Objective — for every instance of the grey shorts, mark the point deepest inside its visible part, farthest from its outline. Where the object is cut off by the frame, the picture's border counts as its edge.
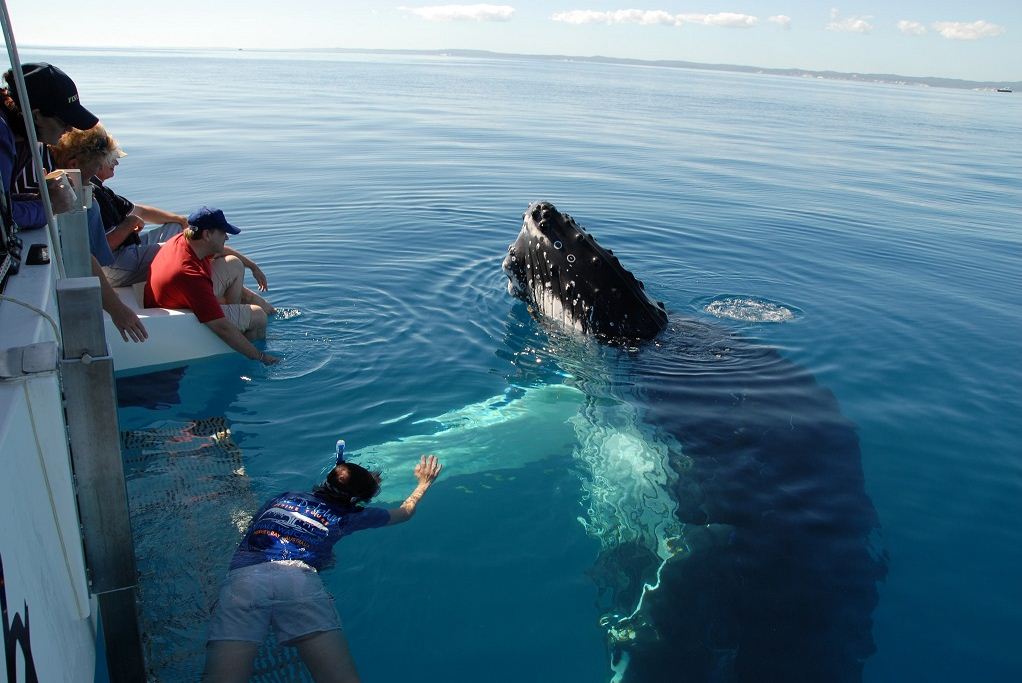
(131, 262)
(287, 595)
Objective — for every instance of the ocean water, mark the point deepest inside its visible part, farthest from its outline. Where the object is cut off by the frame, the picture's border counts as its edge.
(868, 233)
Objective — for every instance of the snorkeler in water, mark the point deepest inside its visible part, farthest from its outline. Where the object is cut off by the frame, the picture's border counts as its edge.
(274, 577)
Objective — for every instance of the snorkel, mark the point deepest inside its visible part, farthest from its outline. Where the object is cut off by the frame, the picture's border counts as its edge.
(351, 484)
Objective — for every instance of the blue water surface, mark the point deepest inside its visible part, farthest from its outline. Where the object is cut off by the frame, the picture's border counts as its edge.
(379, 194)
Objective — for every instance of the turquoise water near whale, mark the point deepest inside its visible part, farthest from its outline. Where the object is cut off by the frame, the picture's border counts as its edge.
(868, 232)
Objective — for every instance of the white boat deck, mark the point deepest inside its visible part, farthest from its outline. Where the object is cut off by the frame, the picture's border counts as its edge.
(43, 566)
(175, 338)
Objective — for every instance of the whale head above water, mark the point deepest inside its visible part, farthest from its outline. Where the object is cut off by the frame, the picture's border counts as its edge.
(564, 275)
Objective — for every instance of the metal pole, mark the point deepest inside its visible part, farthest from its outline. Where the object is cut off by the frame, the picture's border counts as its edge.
(74, 228)
(91, 409)
(33, 141)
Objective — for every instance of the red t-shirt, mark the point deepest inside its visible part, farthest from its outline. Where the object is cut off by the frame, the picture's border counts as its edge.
(180, 279)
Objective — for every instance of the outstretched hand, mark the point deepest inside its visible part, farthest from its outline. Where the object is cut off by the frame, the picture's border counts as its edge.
(428, 469)
(128, 324)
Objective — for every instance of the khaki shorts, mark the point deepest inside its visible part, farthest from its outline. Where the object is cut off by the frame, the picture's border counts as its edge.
(239, 314)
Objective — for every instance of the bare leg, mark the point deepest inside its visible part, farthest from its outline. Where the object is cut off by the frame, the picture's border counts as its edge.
(250, 297)
(257, 327)
(229, 661)
(328, 657)
(231, 272)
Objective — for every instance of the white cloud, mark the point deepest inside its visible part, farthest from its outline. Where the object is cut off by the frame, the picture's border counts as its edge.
(967, 30)
(911, 28)
(781, 20)
(621, 16)
(462, 12)
(849, 24)
(726, 19)
(654, 17)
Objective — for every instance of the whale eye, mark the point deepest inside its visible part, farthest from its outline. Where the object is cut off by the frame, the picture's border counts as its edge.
(571, 258)
(557, 244)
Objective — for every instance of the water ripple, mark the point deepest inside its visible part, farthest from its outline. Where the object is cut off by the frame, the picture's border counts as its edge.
(747, 309)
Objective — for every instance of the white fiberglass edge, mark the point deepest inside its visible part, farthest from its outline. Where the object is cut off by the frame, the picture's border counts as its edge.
(175, 337)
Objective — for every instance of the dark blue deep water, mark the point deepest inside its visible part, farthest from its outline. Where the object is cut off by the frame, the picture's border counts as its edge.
(868, 234)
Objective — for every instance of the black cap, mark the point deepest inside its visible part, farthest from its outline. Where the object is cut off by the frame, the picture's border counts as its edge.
(53, 93)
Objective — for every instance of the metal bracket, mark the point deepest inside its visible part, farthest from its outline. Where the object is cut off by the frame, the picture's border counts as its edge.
(86, 359)
(28, 360)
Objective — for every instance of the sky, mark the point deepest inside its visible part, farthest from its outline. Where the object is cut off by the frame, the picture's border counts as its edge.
(977, 40)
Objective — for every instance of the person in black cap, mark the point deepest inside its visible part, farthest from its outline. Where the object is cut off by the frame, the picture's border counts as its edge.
(56, 109)
(193, 270)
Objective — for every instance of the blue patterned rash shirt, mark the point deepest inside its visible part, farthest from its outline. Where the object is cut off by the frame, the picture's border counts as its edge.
(301, 526)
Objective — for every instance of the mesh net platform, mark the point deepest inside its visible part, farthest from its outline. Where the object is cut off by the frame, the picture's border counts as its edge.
(190, 502)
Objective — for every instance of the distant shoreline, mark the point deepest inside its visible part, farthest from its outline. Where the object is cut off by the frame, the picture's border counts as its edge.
(891, 79)
(894, 79)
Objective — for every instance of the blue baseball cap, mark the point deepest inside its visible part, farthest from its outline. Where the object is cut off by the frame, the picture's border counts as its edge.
(211, 219)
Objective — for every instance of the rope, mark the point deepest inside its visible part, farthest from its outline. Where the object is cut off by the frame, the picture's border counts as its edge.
(49, 318)
(83, 610)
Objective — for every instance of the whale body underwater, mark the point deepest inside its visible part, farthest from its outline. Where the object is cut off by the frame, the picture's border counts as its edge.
(769, 567)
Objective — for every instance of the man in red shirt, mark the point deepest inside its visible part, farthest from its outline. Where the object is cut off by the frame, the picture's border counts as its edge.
(192, 271)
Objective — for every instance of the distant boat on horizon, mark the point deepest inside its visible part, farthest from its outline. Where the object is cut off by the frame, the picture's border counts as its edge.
(1004, 90)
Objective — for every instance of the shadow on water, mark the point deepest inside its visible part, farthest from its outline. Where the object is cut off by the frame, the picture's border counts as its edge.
(152, 391)
(203, 388)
